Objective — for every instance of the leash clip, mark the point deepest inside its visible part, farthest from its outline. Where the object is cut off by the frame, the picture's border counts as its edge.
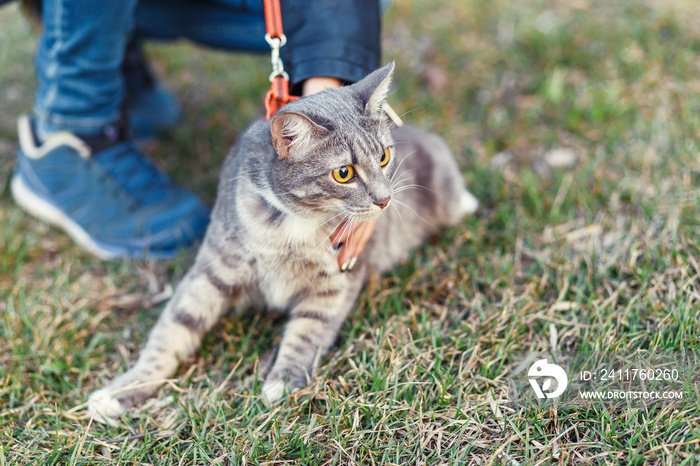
(278, 95)
(276, 43)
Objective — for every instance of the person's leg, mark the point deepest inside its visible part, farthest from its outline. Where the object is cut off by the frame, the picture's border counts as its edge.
(151, 107)
(78, 63)
(76, 167)
(234, 25)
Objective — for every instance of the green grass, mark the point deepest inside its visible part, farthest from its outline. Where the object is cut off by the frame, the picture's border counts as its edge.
(601, 253)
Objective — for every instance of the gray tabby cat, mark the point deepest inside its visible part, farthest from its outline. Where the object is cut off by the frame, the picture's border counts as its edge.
(285, 187)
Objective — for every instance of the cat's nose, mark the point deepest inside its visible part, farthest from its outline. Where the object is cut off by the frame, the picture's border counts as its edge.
(384, 202)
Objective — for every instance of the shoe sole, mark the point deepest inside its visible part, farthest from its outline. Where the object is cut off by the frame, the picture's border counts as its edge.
(46, 211)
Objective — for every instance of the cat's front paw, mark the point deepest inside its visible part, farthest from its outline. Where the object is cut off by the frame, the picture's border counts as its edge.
(281, 382)
(273, 391)
(104, 406)
(123, 393)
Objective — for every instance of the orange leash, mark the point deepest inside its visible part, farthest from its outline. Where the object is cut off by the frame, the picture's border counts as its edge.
(278, 95)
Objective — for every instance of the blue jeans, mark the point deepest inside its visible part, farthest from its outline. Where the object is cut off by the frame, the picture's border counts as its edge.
(80, 53)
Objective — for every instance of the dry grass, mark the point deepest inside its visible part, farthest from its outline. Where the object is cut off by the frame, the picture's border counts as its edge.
(576, 124)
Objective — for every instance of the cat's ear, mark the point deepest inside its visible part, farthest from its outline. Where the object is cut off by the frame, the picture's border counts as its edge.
(374, 89)
(293, 132)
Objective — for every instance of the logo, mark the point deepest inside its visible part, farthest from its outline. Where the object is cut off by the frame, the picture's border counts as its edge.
(550, 371)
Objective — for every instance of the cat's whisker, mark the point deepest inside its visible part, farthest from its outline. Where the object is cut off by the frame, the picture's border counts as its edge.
(352, 227)
(329, 251)
(398, 212)
(412, 210)
(236, 178)
(412, 110)
(404, 182)
(310, 253)
(349, 229)
(288, 193)
(401, 216)
(346, 225)
(417, 186)
(329, 206)
(398, 187)
(410, 186)
(404, 179)
(329, 257)
(315, 229)
(352, 235)
(401, 163)
(407, 175)
(328, 236)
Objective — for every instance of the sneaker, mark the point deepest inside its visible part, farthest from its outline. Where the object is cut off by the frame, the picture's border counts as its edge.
(151, 107)
(105, 193)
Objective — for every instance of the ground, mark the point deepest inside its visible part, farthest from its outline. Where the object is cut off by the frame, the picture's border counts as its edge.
(577, 125)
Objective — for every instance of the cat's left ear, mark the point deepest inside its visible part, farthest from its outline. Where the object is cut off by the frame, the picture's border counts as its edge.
(293, 132)
(374, 89)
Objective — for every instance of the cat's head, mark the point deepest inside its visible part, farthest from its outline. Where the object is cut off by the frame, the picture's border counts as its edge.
(335, 154)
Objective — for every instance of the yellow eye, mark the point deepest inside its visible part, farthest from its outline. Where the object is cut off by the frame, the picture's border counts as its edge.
(343, 174)
(385, 157)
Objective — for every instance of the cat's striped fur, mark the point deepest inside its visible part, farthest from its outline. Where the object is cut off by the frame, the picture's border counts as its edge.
(269, 238)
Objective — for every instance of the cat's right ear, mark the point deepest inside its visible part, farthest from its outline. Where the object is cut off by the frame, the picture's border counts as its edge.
(293, 132)
(374, 88)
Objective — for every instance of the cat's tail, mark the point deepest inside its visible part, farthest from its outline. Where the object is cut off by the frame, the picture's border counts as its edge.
(468, 203)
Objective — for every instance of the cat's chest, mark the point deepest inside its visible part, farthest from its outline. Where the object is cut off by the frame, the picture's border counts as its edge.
(283, 283)
(291, 262)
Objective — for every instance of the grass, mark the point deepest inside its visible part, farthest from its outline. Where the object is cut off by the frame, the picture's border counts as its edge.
(593, 249)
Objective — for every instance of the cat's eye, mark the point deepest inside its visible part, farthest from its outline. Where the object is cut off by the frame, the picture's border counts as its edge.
(385, 157)
(343, 174)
